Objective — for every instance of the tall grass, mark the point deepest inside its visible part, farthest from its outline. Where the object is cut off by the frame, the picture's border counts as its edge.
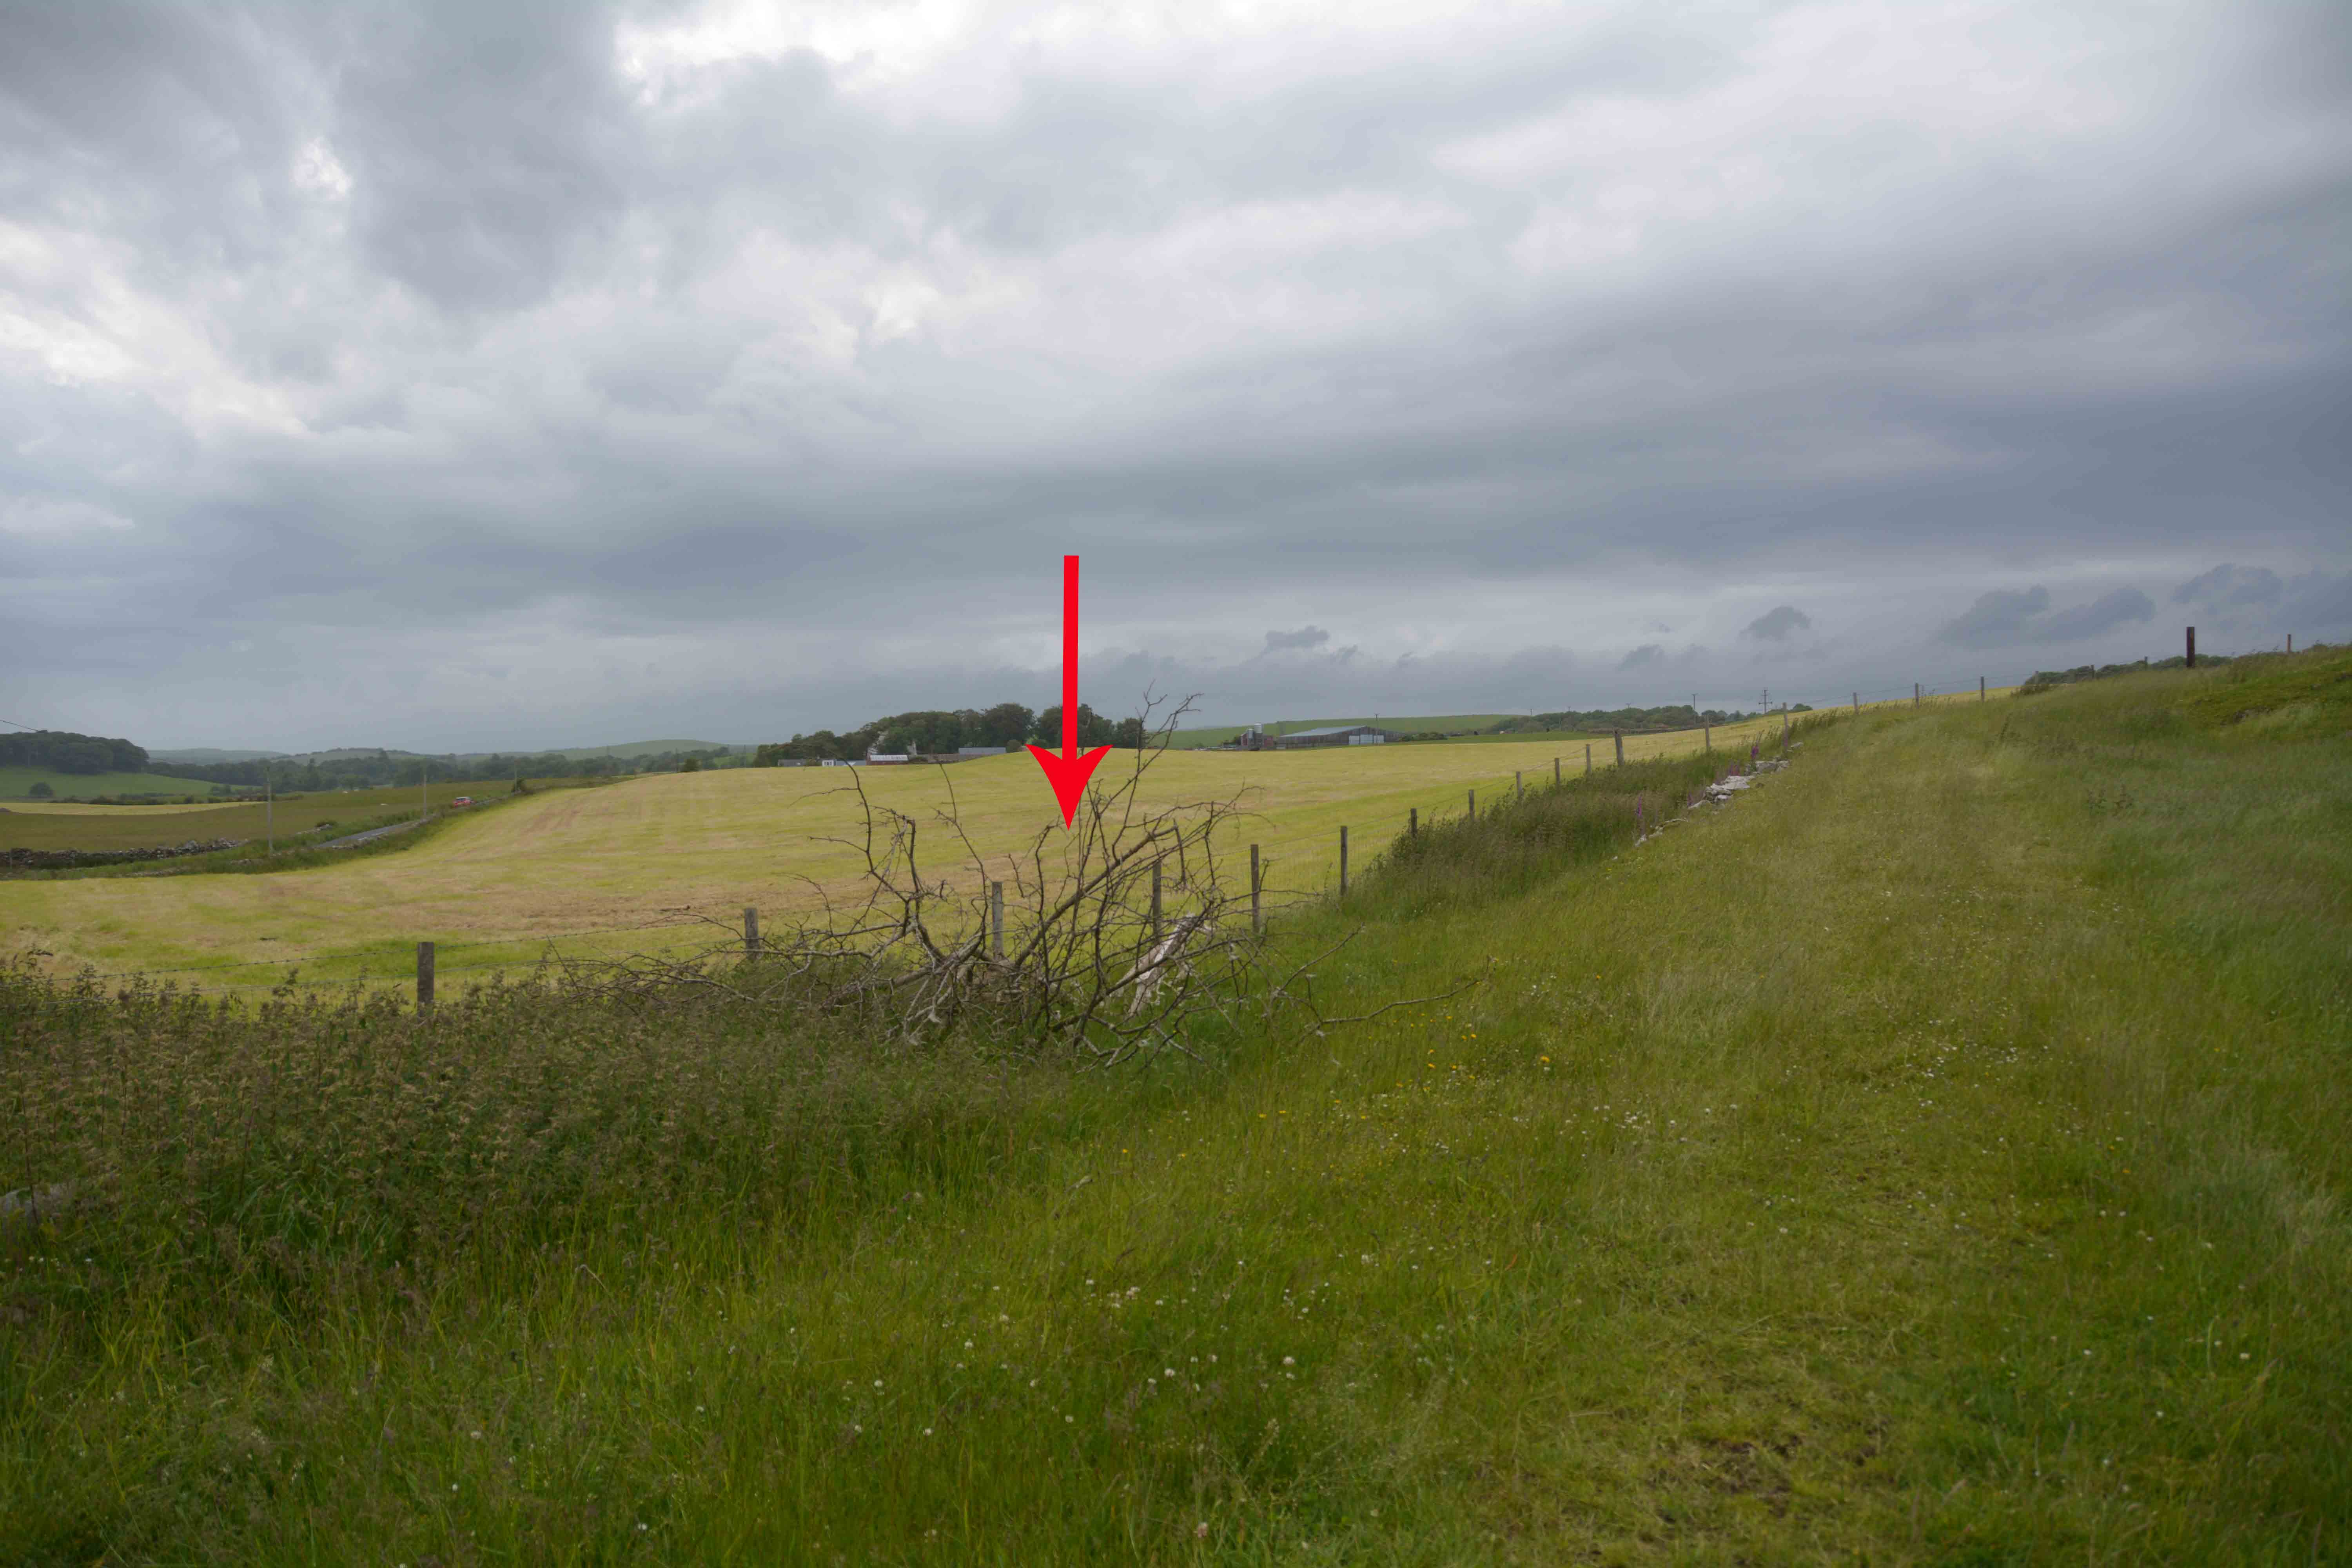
(1516, 842)
(221, 1158)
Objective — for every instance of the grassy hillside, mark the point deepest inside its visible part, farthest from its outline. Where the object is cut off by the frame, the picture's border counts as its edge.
(16, 784)
(1936, 1156)
(659, 849)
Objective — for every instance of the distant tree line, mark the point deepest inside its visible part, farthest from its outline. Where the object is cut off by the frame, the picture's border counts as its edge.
(383, 768)
(944, 732)
(64, 752)
(1675, 715)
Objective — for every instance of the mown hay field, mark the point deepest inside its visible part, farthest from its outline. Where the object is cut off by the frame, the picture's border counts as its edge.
(643, 865)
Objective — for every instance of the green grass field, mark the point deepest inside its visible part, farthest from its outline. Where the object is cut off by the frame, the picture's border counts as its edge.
(1936, 1156)
(16, 784)
(36, 826)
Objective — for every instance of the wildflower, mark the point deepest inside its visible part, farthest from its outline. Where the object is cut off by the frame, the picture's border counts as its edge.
(1290, 1360)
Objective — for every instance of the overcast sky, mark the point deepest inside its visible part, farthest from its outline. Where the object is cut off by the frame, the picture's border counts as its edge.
(482, 375)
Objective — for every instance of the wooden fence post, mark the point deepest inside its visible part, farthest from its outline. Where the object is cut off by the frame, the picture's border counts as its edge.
(1555, 762)
(1915, 694)
(1413, 823)
(2290, 642)
(1474, 805)
(1518, 784)
(1706, 734)
(1980, 687)
(1343, 861)
(1621, 747)
(2193, 647)
(1155, 899)
(423, 978)
(1857, 704)
(1257, 913)
(996, 917)
(751, 931)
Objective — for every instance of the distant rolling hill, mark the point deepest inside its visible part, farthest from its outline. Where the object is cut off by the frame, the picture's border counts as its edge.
(202, 754)
(198, 755)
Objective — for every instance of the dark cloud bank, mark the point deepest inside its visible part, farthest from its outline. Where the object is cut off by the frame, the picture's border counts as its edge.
(532, 375)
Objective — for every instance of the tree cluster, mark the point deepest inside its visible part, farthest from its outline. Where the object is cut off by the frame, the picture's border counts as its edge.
(944, 732)
(62, 750)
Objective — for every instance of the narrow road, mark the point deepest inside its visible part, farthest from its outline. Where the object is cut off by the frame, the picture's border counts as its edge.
(371, 833)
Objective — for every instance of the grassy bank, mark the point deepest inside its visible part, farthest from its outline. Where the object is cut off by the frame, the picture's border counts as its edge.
(1934, 1156)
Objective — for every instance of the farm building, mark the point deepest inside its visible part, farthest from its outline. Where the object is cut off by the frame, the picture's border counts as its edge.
(1332, 735)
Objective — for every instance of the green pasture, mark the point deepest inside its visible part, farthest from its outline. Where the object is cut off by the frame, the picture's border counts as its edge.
(315, 812)
(1936, 1156)
(16, 784)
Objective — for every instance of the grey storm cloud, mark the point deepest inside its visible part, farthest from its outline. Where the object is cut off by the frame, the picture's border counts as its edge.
(1642, 657)
(747, 369)
(2228, 585)
(2012, 617)
(1775, 625)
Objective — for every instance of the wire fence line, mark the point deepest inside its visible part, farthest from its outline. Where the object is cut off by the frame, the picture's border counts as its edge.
(429, 958)
(286, 959)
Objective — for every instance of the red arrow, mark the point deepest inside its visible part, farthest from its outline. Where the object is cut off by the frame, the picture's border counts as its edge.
(1069, 772)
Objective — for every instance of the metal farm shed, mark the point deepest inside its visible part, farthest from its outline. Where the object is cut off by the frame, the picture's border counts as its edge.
(1332, 735)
